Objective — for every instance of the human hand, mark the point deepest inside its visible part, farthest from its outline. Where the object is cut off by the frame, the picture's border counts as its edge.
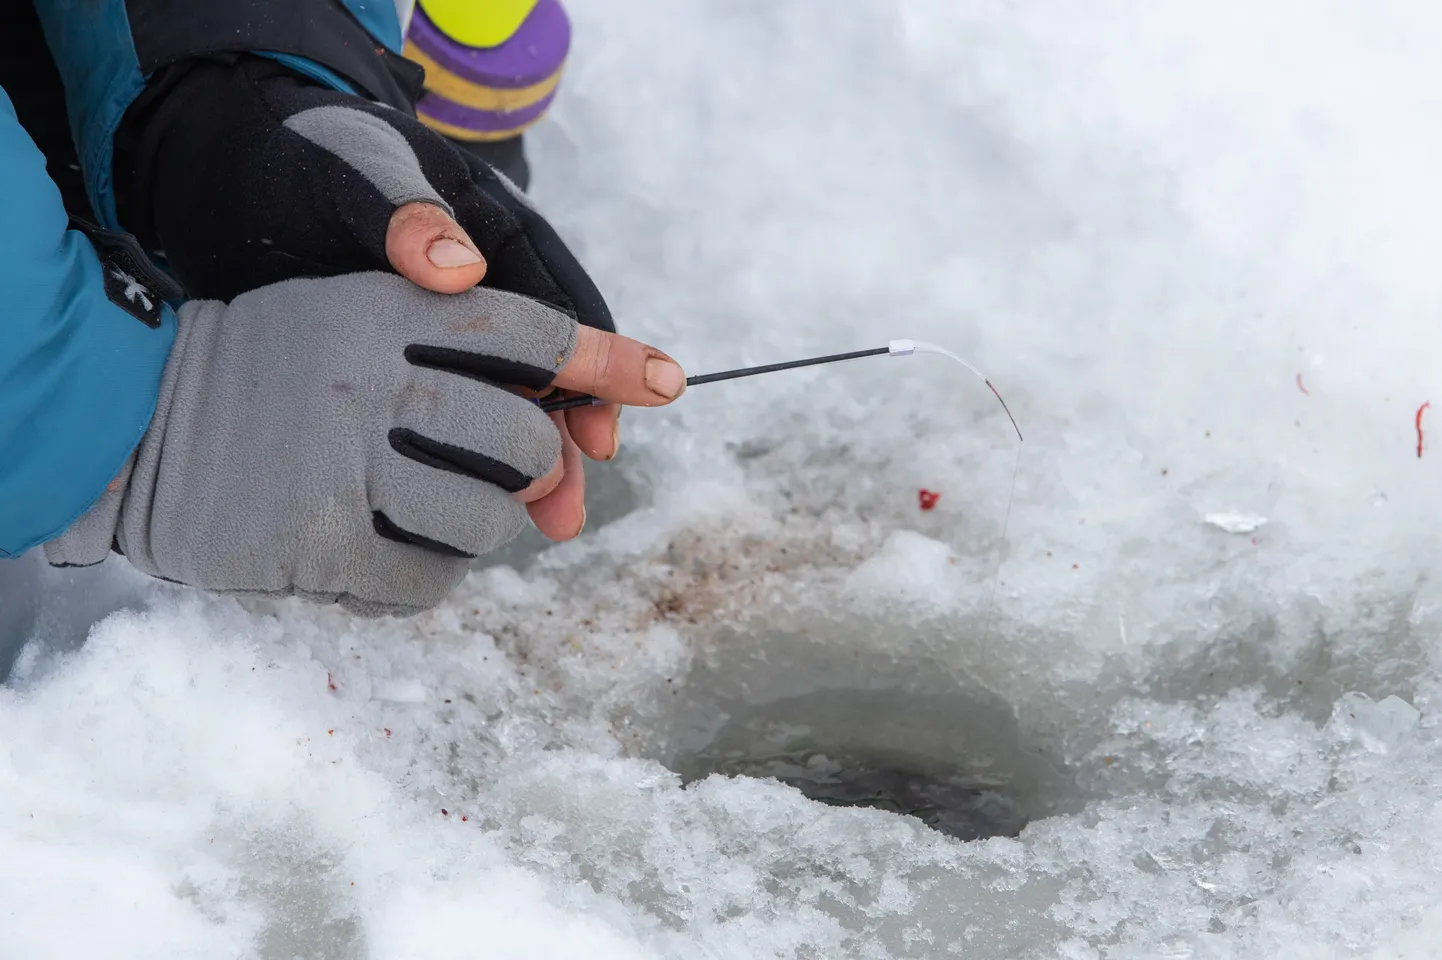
(354, 439)
(246, 174)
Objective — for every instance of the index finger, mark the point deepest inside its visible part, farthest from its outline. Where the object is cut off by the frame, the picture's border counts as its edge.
(622, 370)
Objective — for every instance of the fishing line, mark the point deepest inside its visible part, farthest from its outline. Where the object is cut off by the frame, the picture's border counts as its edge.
(1001, 558)
(919, 346)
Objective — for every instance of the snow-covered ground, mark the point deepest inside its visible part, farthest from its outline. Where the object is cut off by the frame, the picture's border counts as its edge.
(1197, 247)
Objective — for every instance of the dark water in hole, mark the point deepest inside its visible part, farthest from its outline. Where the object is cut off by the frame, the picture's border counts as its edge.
(956, 765)
(959, 804)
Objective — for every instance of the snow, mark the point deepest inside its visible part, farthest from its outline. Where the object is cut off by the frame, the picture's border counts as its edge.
(1143, 221)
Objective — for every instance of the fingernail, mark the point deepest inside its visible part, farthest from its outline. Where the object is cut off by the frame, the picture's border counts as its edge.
(447, 254)
(616, 436)
(581, 529)
(665, 378)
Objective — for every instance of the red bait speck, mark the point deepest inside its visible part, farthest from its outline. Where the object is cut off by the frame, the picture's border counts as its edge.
(927, 499)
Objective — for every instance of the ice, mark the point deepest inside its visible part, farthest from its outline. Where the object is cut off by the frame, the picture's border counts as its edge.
(1232, 522)
(1378, 727)
(1143, 221)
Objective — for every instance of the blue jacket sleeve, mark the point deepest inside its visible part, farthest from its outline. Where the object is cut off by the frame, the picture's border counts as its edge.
(78, 374)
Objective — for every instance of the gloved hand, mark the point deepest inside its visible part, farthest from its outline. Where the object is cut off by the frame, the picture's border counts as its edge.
(246, 174)
(351, 439)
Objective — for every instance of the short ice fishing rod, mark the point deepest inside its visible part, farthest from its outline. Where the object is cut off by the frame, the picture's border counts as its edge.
(896, 348)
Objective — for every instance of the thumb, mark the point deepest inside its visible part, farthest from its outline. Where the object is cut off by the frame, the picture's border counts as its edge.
(429, 249)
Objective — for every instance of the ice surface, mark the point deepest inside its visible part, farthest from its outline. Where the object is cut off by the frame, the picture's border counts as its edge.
(1143, 221)
(1378, 727)
(1232, 522)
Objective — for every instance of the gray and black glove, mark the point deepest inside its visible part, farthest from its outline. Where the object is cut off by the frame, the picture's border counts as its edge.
(345, 439)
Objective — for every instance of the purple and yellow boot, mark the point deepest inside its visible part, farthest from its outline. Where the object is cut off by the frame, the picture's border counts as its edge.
(492, 69)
